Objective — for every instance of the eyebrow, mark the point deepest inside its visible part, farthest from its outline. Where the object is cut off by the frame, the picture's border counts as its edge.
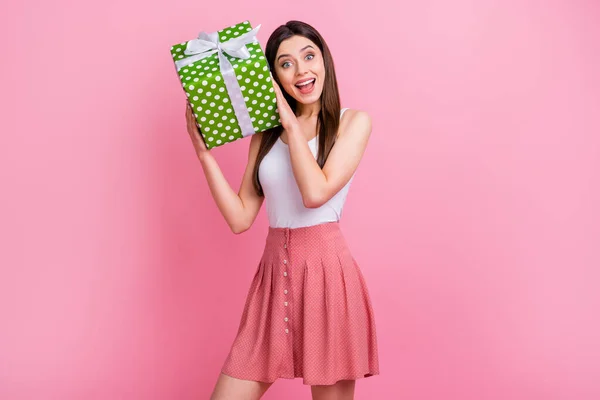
(301, 50)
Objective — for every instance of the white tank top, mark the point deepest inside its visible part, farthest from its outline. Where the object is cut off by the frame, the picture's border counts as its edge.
(284, 205)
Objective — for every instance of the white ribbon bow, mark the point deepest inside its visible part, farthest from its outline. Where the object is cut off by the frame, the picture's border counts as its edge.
(208, 44)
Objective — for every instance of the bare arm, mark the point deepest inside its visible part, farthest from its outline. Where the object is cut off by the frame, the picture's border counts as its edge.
(239, 209)
(318, 185)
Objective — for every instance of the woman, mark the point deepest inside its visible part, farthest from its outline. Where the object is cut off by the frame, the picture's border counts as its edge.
(308, 313)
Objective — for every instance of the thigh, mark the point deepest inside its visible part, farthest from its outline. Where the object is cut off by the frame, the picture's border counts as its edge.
(230, 388)
(341, 390)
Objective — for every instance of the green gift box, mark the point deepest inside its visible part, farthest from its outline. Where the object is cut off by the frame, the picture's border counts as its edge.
(226, 78)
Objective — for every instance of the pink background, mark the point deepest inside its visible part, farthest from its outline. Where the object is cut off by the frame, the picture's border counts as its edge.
(474, 214)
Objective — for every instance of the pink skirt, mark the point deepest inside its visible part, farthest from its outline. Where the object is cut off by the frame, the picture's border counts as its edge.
(307, 313)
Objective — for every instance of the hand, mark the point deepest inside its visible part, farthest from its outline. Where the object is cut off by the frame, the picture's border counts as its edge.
(286, 114)
(194, 132)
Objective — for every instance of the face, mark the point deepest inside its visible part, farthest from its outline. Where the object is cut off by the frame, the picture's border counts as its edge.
(300, 69)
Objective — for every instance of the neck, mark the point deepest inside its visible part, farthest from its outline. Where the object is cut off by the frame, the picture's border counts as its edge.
(308, 110)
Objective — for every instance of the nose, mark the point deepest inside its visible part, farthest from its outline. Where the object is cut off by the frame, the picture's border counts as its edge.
(302, 69)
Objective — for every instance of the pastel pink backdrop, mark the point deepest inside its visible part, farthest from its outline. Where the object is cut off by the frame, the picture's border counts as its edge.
(474, 214)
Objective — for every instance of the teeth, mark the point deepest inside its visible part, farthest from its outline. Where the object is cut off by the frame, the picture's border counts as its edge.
(305, 83)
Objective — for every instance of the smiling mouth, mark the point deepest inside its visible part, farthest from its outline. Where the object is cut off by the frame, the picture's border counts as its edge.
(306, 86)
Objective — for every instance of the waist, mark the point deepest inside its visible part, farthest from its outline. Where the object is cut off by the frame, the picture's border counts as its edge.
(314, 235)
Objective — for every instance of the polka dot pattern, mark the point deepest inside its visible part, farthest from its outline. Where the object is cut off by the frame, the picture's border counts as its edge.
(205, 88)
(307, 313)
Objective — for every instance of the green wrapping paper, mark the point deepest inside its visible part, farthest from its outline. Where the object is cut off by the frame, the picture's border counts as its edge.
(207, 80)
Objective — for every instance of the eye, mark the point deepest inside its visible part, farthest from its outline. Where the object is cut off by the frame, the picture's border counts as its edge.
(311, 56)
(284, 64)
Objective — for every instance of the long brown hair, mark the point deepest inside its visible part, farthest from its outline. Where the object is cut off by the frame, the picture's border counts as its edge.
(329, 116)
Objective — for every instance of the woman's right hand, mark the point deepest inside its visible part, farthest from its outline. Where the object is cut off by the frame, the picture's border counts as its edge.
(194, 132)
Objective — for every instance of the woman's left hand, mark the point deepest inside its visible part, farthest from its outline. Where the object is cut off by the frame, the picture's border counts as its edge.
(286, 114)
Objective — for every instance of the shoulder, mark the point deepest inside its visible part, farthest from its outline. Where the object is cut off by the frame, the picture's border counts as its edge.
(355, 123)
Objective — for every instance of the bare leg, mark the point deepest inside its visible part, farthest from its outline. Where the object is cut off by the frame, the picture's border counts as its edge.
(230, 388)
(341, 390)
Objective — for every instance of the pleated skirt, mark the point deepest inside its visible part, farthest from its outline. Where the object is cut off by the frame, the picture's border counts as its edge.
(307, 313)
